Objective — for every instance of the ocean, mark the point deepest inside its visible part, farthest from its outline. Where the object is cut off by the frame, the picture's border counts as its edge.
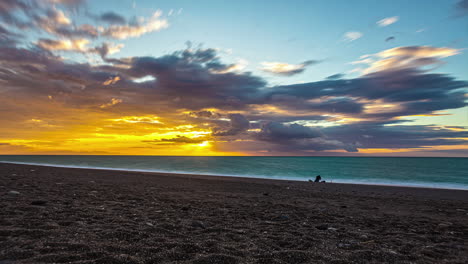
(450, 173)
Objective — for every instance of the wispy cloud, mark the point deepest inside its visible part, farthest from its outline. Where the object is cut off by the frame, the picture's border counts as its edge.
(405, 57)
(286, 69)
(57, 19)
(352, 36)
(77, 45)
(111, 103)
(387, 21)
(154, 23)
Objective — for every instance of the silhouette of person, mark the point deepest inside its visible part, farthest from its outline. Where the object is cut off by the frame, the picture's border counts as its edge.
(317, 178)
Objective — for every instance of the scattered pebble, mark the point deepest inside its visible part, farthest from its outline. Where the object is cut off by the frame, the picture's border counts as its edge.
(39, 202)
(198, 224)
(281, 218)
(343, 245)
(445, 224)
(14, 193)
(322, 227)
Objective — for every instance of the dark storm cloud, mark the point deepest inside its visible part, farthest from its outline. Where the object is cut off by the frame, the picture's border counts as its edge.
(274, 131)
(415, 91)
(274, 117)
(237, 124)
(334, 105)
(400, 85)
(112, 18)
(397, 136)
(199, 55)
(185, 78)
(294, 137)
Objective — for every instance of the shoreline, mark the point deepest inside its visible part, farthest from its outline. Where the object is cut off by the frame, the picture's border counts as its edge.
(416, 186)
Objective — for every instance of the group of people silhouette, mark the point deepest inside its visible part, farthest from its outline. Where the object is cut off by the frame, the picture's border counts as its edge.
(318, 178)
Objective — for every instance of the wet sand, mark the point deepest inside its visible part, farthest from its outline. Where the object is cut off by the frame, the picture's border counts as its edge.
(63, 215)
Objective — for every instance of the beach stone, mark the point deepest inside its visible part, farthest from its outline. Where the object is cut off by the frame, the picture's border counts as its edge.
(445, 224)
(198, 224)
(281, 218)
(343, 245)
(332, 229)
(13, 193)
(39, 202)
(322, 227)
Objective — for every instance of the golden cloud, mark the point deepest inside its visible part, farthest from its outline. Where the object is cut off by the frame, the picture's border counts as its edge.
(79, 45)
(155, 23)
(404, 57)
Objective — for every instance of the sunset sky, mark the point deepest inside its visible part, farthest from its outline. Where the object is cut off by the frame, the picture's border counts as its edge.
(144, 77)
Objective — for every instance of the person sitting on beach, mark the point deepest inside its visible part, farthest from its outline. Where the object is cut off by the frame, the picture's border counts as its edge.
(317, 178)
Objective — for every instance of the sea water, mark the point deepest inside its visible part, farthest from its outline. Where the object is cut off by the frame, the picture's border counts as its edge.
(449, 173)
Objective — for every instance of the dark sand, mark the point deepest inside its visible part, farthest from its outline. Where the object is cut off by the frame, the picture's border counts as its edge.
(67, 215)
